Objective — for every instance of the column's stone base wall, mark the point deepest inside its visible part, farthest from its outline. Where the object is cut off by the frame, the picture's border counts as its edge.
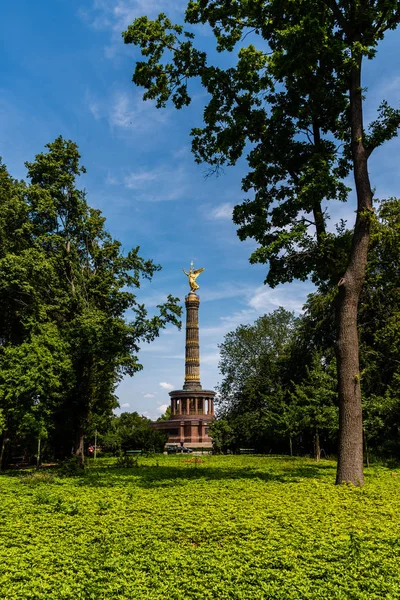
(188, 425)
(193, 432)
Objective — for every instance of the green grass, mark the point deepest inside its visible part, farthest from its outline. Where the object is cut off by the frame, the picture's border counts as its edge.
(243, 527)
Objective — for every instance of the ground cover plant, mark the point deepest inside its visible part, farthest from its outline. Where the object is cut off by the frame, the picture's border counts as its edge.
(218, 527)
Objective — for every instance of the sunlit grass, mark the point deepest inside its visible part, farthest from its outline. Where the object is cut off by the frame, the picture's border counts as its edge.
(243, 527)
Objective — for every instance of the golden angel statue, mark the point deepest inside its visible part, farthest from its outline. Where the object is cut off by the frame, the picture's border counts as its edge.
(192, 276)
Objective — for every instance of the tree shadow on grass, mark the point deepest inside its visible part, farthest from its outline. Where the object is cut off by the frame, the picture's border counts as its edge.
(153, 476)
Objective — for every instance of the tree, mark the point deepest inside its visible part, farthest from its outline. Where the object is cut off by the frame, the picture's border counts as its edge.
(223, 436)
(165, 416)
(34, 360)
(295, 105)
(131, 431)
(250, 359)
(314, 400)
(380, 333)
(378, 319)
(254, 392)
(65, 289)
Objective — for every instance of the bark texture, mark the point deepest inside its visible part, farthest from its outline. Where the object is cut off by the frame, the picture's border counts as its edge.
(80, 446)
(3, 452)
(317, 448)
(350, 450)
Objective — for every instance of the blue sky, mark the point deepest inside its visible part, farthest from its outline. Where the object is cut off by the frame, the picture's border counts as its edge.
(65, 70)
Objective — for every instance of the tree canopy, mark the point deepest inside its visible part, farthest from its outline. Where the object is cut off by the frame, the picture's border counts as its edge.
(66, 287)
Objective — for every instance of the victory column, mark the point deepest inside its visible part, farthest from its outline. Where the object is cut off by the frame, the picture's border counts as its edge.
(192, 408)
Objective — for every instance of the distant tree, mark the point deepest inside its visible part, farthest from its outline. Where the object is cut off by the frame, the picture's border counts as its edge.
(250, 358)
(295, 104)
(254, 391)
(166, 416)
(314, 400)
(380, 333)
(131, 431)
(223, 436)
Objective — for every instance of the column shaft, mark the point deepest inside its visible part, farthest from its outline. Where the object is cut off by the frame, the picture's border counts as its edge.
(192, 354)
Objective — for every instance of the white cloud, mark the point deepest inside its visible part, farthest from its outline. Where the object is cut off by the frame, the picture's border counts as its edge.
(291, 296)
(166, 386)
(227, 289)
(223, 211)
(116, 15)
(161, 409)
(211, 358)
(127, 113)
(122, 113)
(157, 184)
(259, 301)
(125, 405)
(95, 109)
(140, 179)
(149, 395)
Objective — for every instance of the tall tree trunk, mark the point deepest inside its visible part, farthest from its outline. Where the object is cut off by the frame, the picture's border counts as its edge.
(80, 446)
(317, 447)
(291, 445)
(366, 449)
(350, 450)
(3, 451)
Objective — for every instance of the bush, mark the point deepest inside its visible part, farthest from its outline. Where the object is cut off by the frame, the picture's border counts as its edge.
(34, 479)
(126, 462)
(70, 467)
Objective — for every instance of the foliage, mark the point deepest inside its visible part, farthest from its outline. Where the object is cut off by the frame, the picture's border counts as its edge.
(314, 400)
(272, 388)
(379, 318)
(285, 104)
(251, 354)
(130, 431)
(239, 527)
(307, 376)
(70, 467)
(126, 462)
(66, 290)
(166, 416)
(222, 433)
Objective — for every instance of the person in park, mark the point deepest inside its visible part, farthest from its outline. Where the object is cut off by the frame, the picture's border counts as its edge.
(91, 451)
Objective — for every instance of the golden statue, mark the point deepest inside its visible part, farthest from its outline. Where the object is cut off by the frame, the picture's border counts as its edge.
(192, 276)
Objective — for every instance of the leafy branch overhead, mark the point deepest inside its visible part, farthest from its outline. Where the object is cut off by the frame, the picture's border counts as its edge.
(288, 111)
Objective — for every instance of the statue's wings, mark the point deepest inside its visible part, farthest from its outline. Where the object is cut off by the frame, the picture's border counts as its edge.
(198, 271)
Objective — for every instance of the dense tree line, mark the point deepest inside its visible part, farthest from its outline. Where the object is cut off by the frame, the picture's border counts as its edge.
(131, 431)
(293, 106)
(279, 384)
(65, 289)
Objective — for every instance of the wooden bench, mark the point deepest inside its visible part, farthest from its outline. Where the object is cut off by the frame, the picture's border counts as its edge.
(18, 461)
(134, 452)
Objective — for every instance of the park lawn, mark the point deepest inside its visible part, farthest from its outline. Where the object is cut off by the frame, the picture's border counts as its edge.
(246, 527)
